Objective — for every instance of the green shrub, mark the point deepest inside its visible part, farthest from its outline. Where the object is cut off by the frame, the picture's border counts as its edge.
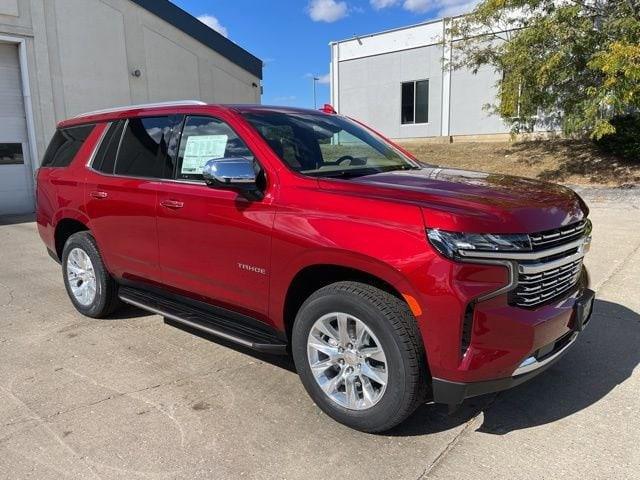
(625, 142)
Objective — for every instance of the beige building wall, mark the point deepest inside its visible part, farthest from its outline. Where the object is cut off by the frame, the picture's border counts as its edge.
(81, 55)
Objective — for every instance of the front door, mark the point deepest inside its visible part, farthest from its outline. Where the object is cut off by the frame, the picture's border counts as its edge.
(214, 244)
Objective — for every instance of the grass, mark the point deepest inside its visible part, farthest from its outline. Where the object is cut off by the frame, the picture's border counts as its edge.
(576, 162)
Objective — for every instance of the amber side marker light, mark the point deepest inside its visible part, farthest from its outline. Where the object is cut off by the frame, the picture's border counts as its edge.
(413, 304)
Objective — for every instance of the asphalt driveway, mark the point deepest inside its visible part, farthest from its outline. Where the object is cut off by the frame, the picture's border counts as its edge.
(133, 398)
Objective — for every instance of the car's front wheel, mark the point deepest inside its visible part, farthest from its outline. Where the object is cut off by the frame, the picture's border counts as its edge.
(359, 355)
(90, 287)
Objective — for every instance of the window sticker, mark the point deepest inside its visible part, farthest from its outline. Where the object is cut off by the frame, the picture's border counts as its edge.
(200, 149)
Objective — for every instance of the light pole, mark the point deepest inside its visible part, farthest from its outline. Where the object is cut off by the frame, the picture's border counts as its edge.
(314, 79)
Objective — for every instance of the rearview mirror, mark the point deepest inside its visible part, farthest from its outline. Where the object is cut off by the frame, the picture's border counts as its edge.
(232, 173)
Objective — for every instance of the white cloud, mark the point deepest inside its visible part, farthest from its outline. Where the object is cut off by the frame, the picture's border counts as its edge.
(212, 22)
(327, 10)
(324, 79)
(442, 8)
(418, 6)
(455, 8)
(380, 4)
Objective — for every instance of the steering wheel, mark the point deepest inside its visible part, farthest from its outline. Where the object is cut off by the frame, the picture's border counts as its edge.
(344, 158)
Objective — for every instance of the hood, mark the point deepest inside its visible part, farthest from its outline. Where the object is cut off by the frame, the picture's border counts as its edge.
(462, 200)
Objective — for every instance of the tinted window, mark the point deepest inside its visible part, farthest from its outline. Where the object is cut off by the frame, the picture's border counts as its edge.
(65, 145)
(326, 145)
(415, 102)
(407, 102)
(11, 154)
(106, 154)
(144, 147)
(422, 101)
(56, 142)
(203, 139)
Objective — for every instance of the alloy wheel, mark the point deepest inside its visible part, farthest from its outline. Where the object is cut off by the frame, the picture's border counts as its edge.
(81, 276)
(347, 361)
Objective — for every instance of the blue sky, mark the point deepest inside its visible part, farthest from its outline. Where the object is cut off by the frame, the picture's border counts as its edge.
(292, 36)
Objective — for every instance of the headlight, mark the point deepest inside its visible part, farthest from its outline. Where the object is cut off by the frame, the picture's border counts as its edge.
(450, 244)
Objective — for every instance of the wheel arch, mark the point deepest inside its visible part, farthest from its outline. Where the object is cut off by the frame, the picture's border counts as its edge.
(66, 227)
(311, 278)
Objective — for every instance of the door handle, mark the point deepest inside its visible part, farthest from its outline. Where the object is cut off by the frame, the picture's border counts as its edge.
(173, 204)
(99, 195)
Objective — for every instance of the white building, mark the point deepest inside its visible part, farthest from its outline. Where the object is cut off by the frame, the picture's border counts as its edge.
(59, 58)
(395, 82)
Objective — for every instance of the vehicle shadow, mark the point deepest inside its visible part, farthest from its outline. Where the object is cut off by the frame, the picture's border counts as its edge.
(602, 358)
(127, 312)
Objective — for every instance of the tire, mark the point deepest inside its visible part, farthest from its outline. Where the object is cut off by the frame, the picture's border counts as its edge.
(105, 299)
(392, 328)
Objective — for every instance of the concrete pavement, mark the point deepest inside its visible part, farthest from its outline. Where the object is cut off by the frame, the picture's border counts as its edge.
(133, 398)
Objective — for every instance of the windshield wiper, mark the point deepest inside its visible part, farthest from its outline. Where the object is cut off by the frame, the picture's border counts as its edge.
(358, 172)
(401, 167)
(344, 173)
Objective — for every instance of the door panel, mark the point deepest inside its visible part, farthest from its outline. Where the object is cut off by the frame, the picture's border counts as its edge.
(123, 221)
(216, 246)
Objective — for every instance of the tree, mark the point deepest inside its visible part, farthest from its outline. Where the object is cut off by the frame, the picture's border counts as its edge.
(574, 61)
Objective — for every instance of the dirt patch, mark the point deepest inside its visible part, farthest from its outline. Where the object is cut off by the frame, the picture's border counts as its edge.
(564, 161)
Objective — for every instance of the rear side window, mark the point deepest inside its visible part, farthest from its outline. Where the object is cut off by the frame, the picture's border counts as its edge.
(65, 145)
(105, 158)
(144, 148)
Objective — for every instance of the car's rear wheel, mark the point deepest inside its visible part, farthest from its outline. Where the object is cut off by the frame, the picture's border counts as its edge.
(359, 354)
(90, 287)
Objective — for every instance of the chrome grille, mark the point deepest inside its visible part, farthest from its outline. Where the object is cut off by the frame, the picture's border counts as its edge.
(536, 288)
(549, 277)
(559, 236)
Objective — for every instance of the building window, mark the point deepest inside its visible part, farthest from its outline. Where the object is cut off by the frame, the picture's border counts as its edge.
(415, 102)
(11, 154)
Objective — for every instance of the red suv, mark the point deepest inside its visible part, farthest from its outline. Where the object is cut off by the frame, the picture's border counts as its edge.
(391, 282)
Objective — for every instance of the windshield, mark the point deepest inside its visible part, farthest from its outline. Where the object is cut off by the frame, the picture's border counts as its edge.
(327, 145)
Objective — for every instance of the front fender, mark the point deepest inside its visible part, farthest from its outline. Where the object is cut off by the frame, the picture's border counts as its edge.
(337, 258)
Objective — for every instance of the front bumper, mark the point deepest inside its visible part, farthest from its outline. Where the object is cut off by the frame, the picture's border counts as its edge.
(454, 393)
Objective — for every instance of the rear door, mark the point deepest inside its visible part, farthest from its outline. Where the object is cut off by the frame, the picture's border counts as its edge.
(121, 191)
(214, 243)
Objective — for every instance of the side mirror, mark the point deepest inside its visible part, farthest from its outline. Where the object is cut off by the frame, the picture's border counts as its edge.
(232, 173)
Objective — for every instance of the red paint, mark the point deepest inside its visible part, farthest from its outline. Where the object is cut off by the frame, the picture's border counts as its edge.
(192, 238)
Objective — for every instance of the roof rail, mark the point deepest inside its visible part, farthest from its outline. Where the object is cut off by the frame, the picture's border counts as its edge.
(175, 103)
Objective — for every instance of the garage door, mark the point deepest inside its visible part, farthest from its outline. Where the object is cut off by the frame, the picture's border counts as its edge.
(16, 191)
